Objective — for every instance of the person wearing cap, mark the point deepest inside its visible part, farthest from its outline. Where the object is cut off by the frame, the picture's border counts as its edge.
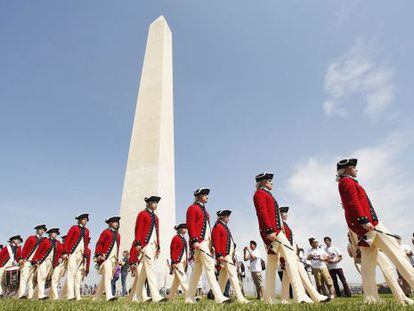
(271, 231)
(225, 247)
(43, 259)
(147, 242)
(198, 225)
(106, 255)
(26, 272)
(307, 284)
(74, 249)
(179, 258)
(363, 220)
(58, 270)
(9, 256)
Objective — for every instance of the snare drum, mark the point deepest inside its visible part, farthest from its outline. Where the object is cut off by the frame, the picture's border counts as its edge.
(11, 280)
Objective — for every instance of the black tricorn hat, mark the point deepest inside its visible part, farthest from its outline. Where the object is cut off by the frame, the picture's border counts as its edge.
(284, 209)
(180, 226)
(15, 237)
(152, 198)
(41, 226)
(224, 212)
(112, 219)
(264, 176)
(346, 163)
(82, 216)
(54, 229)
(202, 191)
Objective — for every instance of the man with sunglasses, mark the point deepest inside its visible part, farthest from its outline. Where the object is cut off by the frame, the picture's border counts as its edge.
(372, 234)
(272, 233)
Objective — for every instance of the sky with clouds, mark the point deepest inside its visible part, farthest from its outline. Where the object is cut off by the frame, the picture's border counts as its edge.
(288, 87)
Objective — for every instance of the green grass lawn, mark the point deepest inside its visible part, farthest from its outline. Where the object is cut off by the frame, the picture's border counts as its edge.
(354, 303)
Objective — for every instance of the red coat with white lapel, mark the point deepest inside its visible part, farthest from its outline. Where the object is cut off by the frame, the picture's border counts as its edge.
(222, 239)
(44, 249)
(5, 255)
(288, 232)
(267, 211)
(178, 249)
(30, 246)
(106, 243)
(357, 206)
(58, 254)
(197, 220)
(74, 237)
(146, 222)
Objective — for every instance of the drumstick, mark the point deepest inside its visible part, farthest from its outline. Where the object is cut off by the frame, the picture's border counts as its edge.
(389, 234)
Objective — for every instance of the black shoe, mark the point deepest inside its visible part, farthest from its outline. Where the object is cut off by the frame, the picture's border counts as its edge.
(227, 301)
(326, 300)
(148, 300)
(44, 298)
(163, 300)
(72, 299)
(23, 297)
(198, 298)
(1, 296)
(113, 299)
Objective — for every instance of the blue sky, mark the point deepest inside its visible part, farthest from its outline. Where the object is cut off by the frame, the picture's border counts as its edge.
(288, 87)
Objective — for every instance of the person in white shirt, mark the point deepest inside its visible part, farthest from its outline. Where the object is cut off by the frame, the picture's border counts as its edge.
(318, 258)
(335, 267)
(253, 255)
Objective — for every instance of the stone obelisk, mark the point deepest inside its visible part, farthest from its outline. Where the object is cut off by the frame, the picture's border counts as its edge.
(150, 167)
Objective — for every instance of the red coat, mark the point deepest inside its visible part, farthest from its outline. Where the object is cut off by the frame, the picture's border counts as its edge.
(288, 233)
(30, 246)
(44, 249)
(197, 220)
(106, 242)
(146, 222)
(222, 239)
(133, 256)
(5, 255)
(178, 249)
(87, 257)
(357, 206)
(73, 238)
(58, 254)
(267, 211)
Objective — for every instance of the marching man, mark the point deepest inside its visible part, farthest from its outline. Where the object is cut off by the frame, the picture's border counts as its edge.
(271, 231)
(198, 224)
(74, 252)
(9, 256)
(310, 289)
(135, 258)
(58, 266)
(106, 254)
(224, 246)
(147, 244)
(372, 234)
(43, 258)
(26, 272)
(179, 257)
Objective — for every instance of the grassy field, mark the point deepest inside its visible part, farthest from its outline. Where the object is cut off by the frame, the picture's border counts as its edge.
(354, 303)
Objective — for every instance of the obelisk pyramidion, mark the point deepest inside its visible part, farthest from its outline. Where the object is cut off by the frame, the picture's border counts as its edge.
(150, 167)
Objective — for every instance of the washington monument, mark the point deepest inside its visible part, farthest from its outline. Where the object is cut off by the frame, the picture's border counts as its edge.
(150, 167)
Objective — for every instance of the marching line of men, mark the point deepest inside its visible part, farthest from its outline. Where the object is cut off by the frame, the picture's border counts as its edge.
(211, 249)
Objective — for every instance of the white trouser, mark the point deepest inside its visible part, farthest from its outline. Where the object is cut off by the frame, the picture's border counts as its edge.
(369, 261)
(147, 272)
(307, 284)
(179, 280)
(389, 275)
(56, 276)
(27, 274)
(80, 274)
(107, 271)
(42, 273)
(134, 295)
(229, 271)
(291, 270)
(203, 260)
(75, 261)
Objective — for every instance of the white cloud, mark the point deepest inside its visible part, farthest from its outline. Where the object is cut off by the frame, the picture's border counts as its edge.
(357, 73)
(313, 194)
